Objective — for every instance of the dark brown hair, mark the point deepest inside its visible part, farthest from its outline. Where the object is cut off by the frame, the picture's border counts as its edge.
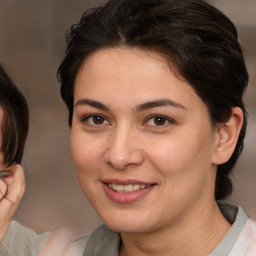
(197, 39)
(15, 119)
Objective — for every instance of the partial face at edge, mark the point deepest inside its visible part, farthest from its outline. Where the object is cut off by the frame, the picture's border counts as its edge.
(141, 141)
(1, 136)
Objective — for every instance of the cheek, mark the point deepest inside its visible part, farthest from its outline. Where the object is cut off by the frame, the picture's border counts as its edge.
(86, 154)
(86, 158)
(184, 166)
(183, 154)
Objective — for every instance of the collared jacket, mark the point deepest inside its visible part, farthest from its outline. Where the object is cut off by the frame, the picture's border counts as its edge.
(239, 241)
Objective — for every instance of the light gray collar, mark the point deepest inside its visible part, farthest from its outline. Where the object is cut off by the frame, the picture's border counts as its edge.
(234, 214)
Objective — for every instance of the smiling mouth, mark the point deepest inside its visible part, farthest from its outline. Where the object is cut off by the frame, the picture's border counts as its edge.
(127, 188)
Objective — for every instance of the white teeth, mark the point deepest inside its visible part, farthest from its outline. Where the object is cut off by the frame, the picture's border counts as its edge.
(136, 186)
(119, 187)
(126, 188)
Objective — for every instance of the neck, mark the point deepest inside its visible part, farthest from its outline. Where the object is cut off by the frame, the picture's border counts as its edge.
(197, 234)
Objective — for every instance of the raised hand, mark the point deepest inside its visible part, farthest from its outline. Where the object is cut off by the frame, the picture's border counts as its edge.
(12, 187)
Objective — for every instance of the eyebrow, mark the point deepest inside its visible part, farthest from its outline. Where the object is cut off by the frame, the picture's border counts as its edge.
(142, 107)
(158, 103)
(92, 103)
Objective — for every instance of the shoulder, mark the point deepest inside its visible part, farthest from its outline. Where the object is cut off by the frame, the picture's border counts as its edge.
(20, 240)
(76, 248)
(241, 238)
(63, 243)
(246, 242)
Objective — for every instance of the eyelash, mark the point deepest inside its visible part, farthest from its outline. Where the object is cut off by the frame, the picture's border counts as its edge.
(86, 119)
(102, 120)
(166, 120)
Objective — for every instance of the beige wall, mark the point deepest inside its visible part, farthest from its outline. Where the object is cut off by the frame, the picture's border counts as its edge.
(31, 47)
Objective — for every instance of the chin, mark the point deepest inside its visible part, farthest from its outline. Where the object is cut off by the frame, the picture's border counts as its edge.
(124, 228)
(126, 224)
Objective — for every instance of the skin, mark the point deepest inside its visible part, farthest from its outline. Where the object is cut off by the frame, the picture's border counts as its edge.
(119, 136)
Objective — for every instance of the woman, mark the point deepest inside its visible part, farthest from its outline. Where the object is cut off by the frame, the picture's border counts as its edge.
(14, 122)
(154, 90)
(15, 238)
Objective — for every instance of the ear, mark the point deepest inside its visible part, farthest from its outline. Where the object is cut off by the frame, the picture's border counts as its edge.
(226, 136)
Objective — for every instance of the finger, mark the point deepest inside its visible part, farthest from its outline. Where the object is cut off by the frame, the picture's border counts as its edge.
(14, 187)
(16, 183)
(4, 174)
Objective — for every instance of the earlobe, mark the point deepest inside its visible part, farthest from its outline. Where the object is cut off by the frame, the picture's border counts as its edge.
(227, 136)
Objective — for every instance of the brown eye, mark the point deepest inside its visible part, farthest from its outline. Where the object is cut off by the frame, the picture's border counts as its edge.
(160, 120)
(98, 119)
(95, 120)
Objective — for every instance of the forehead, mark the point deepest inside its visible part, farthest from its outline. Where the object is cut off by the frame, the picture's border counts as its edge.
(124, 63)
(121, 59)
(128, 71)
(131, 76)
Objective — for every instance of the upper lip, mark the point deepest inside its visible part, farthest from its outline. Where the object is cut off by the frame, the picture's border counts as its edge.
(127, 182)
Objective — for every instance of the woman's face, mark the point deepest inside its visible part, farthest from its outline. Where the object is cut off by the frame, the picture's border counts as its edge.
(141, 140)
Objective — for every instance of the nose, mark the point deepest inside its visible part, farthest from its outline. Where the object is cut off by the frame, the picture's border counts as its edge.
(123, 149)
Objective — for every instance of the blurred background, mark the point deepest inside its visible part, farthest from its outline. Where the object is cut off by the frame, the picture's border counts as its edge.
(32, 45)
